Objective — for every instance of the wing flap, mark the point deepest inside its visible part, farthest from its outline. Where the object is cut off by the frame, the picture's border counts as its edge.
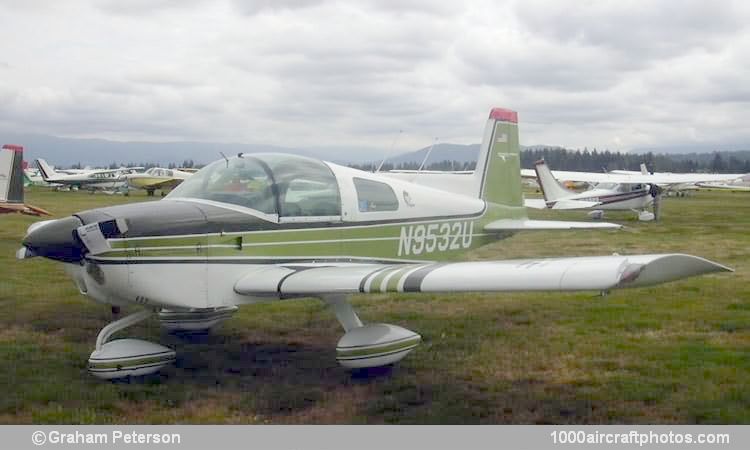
(550, 274)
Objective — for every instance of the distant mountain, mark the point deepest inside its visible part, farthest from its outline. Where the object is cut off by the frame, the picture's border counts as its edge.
(65, 152)
(441, 152)
(101, 152)
(691, 148)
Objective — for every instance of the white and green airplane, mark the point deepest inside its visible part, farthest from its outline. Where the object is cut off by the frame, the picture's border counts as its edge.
(268, 227)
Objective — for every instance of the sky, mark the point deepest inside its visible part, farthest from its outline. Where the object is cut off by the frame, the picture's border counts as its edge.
(389, 74)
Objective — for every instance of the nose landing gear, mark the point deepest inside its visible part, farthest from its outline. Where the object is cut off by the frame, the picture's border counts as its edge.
(127, 357)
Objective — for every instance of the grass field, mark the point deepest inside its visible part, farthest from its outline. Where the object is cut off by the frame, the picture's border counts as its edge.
(676, 353)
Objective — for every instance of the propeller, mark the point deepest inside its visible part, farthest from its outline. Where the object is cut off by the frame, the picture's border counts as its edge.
(656, 192)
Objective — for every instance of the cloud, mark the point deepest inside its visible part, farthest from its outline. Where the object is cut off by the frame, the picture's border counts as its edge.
(319, 73)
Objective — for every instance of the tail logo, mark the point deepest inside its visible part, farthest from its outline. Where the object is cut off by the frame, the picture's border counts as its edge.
(503, 138)
(503, 156)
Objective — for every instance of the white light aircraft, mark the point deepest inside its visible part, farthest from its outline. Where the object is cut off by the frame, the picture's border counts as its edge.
(157, 178)
(299, 227)
(109, 179)
(604, 196)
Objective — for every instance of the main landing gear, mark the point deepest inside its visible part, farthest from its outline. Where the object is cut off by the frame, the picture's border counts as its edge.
(361, 346)
(371, 345)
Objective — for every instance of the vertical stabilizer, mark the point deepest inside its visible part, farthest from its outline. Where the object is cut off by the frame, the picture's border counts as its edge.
(499, 162)
(551, 188)
(11, 173)
(45, 170)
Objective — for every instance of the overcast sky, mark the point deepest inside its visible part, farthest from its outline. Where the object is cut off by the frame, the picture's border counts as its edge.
(308, 73)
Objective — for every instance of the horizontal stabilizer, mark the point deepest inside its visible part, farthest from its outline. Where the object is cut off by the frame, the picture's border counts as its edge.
(536, 203)
(541, 225)
(574, 204)
(540, 203)
(545, 274)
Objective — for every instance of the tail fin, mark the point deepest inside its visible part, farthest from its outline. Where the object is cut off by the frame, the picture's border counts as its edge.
(45, 170)
(498, 169)
(11, 174)
(551, 188)
(644, 170)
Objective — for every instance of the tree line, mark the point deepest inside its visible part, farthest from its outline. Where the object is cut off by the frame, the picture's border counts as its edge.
(594, 161)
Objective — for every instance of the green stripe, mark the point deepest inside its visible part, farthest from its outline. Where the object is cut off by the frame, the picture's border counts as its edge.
(126, 364)
(380, 276)
(393, 282)
(366, 241)
(374, 350)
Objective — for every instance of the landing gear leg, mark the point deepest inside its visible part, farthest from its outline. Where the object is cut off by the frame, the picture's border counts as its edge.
(371, 345)
(127, 357)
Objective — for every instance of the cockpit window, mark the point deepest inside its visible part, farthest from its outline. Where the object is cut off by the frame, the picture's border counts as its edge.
(287, 185)
(375, 196)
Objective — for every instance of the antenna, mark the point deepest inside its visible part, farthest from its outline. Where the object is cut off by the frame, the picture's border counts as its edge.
(225, 158)
(427, 156)
(393, 144)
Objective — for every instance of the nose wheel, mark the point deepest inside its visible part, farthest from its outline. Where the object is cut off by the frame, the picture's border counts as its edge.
(121, 358)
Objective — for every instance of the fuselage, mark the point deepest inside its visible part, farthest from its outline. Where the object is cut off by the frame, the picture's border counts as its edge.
(189, 249)
(618, 197)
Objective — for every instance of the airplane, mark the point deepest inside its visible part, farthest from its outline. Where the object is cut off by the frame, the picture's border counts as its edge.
(604, 196)
(12, 182)
(664, 180)
(157, 178)
(92, 180)
(266, 227)
(740, 184)
(659, 183)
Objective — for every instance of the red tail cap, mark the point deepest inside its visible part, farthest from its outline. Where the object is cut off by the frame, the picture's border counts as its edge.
(505, 115)
(13, 147)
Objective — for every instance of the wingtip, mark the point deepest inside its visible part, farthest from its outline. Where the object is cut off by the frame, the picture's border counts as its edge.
(662, 268)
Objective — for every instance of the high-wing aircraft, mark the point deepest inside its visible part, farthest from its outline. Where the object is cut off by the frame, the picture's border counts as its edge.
(665, 181)
(157, 178)
(604, 196)
(111, 179)
(267, 227)
(658, 182)
(12, 181)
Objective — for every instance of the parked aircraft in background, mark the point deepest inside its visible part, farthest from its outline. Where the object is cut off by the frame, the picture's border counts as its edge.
(740, 184)
(267, 227)
(12, 181)
(658, 182)
(104, 179)
(157, 178)
(604, 196)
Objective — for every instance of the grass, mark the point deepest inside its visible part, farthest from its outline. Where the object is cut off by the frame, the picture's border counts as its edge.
(676, 353)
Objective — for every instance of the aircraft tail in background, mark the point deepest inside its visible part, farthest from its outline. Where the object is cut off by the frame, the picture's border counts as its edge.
(551, 188)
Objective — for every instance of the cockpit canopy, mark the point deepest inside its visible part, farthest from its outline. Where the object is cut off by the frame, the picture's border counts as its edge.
(281, 184)
(159, 172)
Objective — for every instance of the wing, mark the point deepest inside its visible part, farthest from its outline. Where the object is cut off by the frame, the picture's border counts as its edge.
(559, 274)
(540, 203)
(639, 178)
(166, 184)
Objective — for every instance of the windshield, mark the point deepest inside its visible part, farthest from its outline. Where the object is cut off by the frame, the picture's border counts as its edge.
(287, 185)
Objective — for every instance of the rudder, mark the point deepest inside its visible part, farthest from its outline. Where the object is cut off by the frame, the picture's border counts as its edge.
(499, 163)
(11, 173)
